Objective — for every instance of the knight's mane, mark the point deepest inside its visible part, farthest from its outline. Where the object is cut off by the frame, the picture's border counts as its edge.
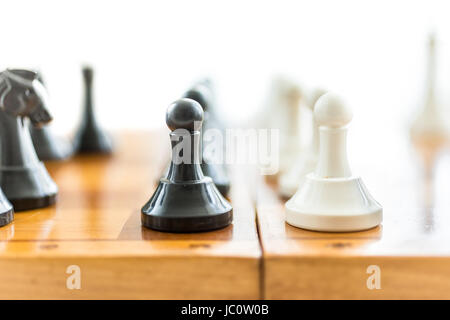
(10, 76)
(5, 88)
(23, 77)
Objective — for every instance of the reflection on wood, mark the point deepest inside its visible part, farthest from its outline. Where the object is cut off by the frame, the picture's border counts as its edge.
(96, 225)
(411, 247)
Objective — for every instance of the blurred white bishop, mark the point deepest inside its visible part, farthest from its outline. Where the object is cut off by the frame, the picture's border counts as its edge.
(282, 112)
(290, 138)
(429, 126)
(307, 160)
(331, 198)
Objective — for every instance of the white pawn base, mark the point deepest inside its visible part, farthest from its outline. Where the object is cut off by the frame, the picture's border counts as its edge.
(294, 178)
(333, 205)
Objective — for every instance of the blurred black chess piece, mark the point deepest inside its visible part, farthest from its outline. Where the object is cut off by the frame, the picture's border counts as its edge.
(90, 138)
(212, 155)
(47, 145)
(186, 200)
(6, 210)
(212, 119)
(23, 178)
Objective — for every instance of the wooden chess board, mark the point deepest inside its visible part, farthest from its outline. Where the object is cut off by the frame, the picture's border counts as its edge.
(96, 226)
(411, 249)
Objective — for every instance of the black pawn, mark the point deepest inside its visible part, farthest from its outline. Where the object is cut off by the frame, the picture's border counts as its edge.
(186, 200)
(47, 145)
(212, 110)
(6, 210)
(90, 138)
(216, 171)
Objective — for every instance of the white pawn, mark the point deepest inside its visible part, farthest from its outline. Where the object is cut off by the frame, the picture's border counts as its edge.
(429, 126)
(331, 198)
(307, 160)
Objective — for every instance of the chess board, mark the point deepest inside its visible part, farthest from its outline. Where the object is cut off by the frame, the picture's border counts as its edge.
(410, 251)
(96, 226)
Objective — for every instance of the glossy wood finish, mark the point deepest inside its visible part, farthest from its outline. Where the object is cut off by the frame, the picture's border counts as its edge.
(96, 225)
(411, 247)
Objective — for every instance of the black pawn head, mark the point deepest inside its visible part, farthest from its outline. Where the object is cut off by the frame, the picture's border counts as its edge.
(184, 114)
(88, 74)
(209, 84)
(202, 94)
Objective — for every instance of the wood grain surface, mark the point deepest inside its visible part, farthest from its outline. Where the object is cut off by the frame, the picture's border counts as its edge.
(96, 226)
(411, 248)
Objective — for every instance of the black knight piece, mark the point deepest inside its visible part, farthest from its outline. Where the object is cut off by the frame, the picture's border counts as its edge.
(23, 178)
(186, 200)
(47, 145)
(90, 138)
(211, 166)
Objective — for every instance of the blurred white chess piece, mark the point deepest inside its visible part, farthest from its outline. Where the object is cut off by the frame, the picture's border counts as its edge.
(331, 198)
(283, 113)
(429, 127)
(307, 160)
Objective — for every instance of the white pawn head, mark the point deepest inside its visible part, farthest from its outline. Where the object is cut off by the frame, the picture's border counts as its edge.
(331, 111)
(331, 198)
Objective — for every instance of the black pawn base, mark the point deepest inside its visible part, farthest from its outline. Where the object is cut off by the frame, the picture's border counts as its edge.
(186, 208)
(92, 140)
(28, 188)
(49, 147)
(219, 176)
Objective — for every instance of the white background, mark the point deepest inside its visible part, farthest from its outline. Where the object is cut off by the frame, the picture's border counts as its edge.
(146, 53)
